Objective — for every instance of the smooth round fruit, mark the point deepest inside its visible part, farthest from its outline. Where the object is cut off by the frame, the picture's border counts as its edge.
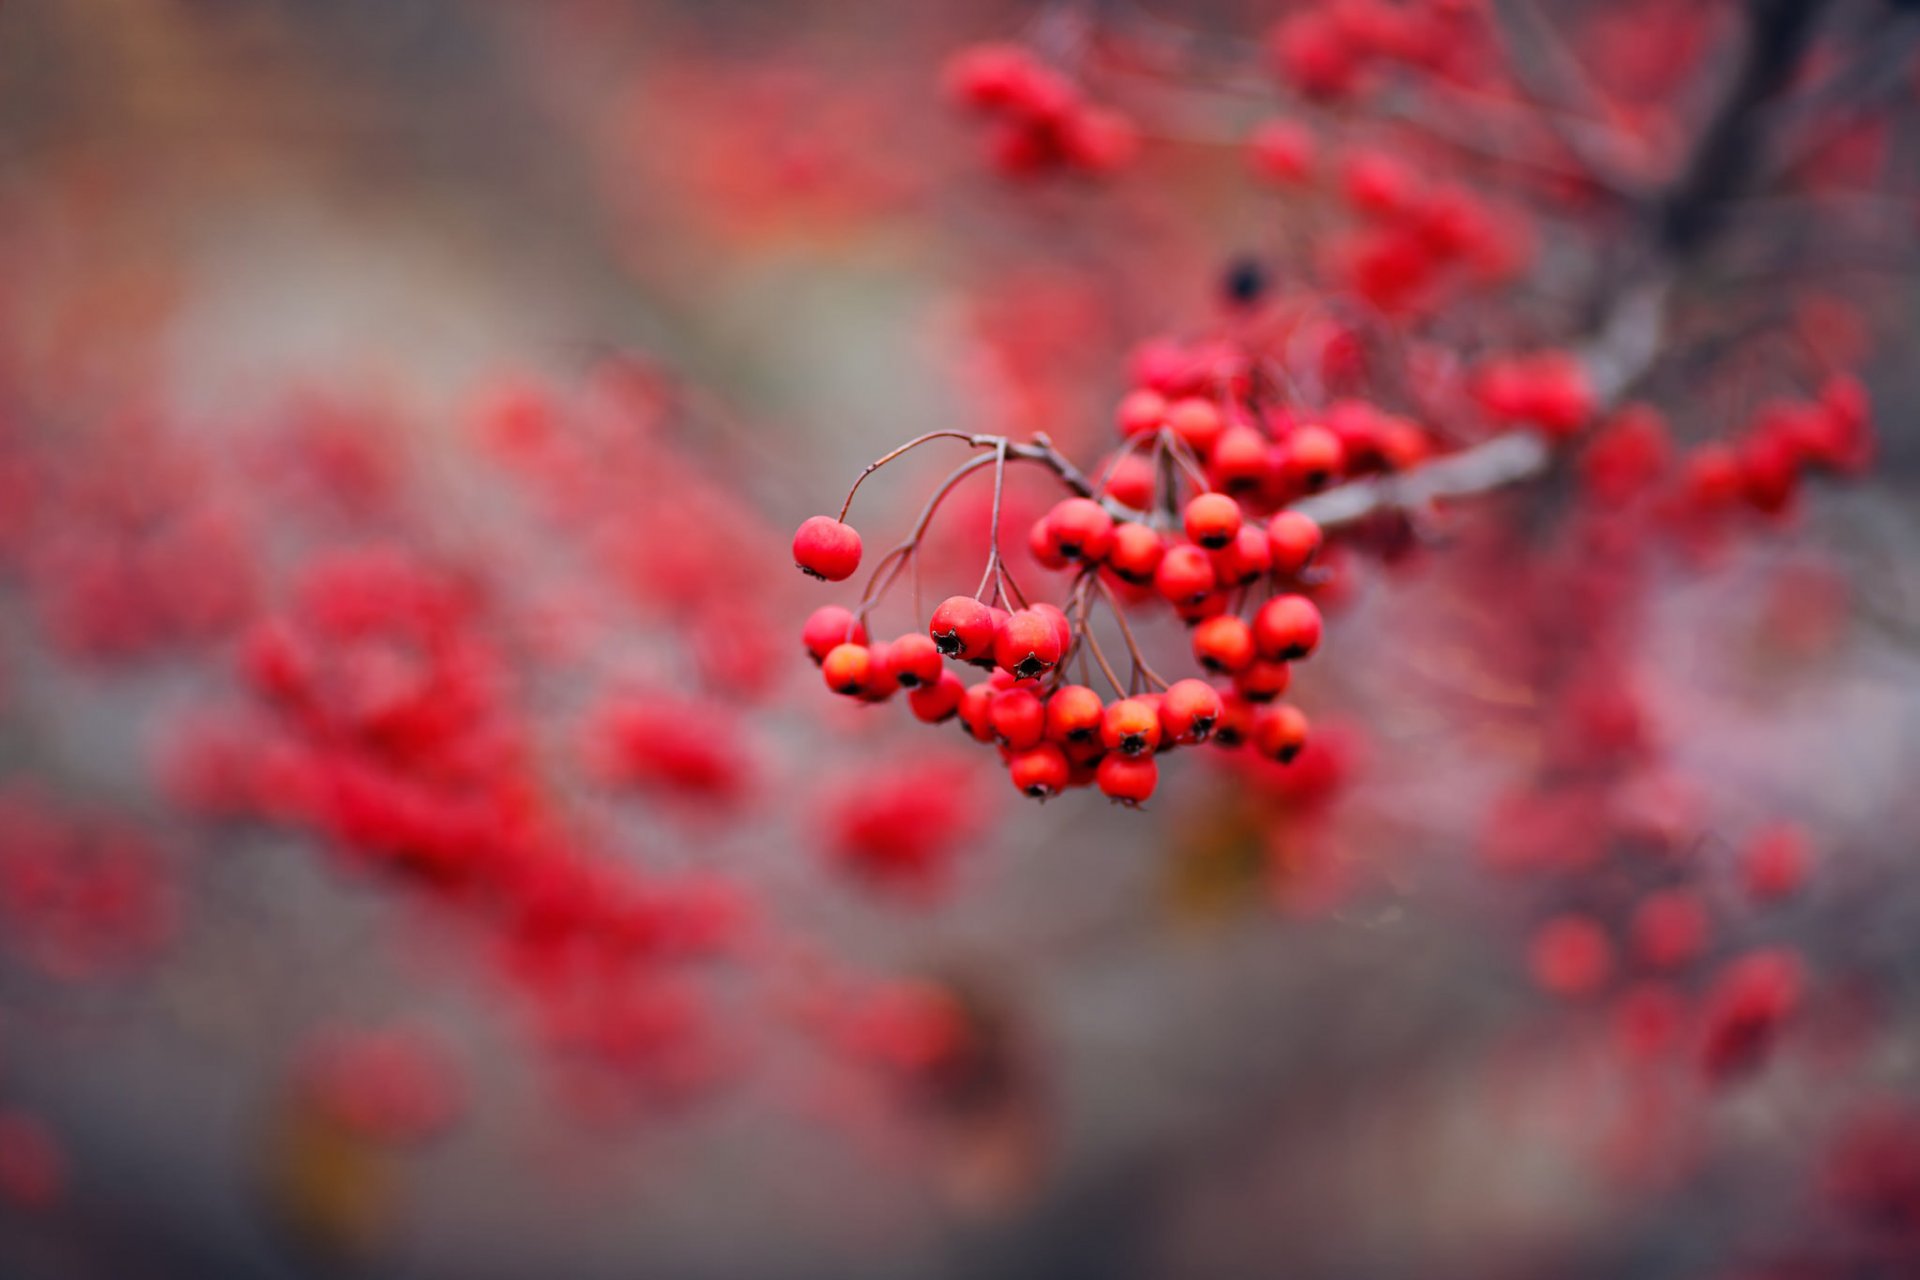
(937, 703)
(1262, 680)
(1019, 718)
(1185, 575)
(1189, 711)
(848, 669)
(1080, 529)
(962, 628)
(1212, 520)
(914, 660)
(1128, 780)
(1223, 644)
(1041, 771)
(1134, 553)
(1131, 726)
(1028, 644)
(1074, 714)
(1279, 732)
(1294, 539)
(828, 626)
(1287, 628)
(825, 548)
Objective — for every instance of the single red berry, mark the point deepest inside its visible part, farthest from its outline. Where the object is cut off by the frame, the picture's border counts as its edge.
(848, 669)
(1262, 680)
(1287, 628)
(1314, 458)
(1279, 732)
(1128, 780)
(1131, 726)
(976, 709)
(1061, 627)
(1141, 411)
(1198, 422)
(1281, 151)
(828, 626)
(1223, 644)
(1212, 520)
(1074, 714)
(1235, 725)
(936, 703)
(1018, 717)
(1135, 553)
(1775, 863)
(1189, 711)
(962, 628)
(1028, 644)
(826, 549)
(1295, 539)
(1246, 559)
(1185, 574)
(1040, 544)
(1131, 482)
(1571, 956)
(1040, 771)
(914, 660)
(1669, 928)
(1239, 461)
(1080, 529)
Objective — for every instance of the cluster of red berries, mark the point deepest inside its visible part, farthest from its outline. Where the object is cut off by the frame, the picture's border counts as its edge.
(1548, 391)
(1327, 51)
(1054, 734)
(1413, 243)
(1041, 122)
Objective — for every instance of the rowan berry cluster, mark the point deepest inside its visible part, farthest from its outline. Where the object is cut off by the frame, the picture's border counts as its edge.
(1187, 519)
(1039, 120)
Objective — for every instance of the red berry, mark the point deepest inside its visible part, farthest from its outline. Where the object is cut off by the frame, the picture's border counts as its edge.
(1775, 863)
(1223, 644)
(1281, 151)
(1131, 482)
(1262, 680)
(1198, 422)
(1040, 544)
(1235, 725)
(1669, 928)
(976, 709)
(1294, 539)
(1279, 732)
(1135, 553)
(848, 669)
(1571, 956)
(828, 626)
(1080, 529)
(1287, 628)
(1212, 520)
(1141, 411)
(962, 628)
(1239, 460)
(1028, 644)
(1018, 717)
(1246, 559)
(1128, 780)
(826, 549)
(1314, 458)
(914, 661)
(1189, 711)
(1185, 575)
(1074, 715)
(1061, 627)
(936, 703)
(1040, 771)
(1131, 726)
